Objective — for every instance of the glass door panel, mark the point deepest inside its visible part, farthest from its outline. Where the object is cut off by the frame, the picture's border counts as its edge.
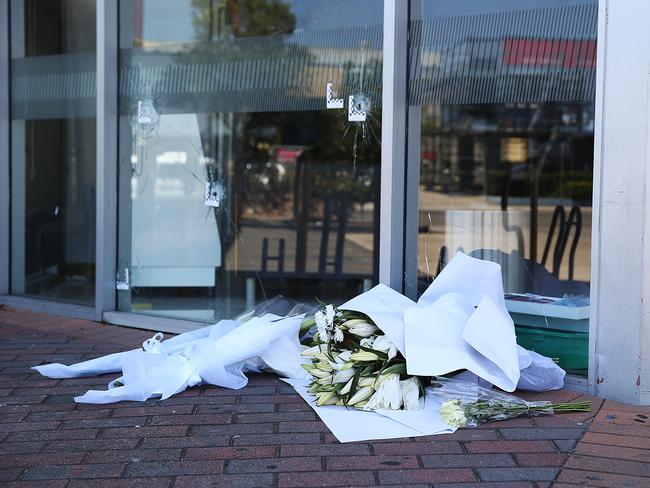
(53, 149)
(237, 183)
(504, 94)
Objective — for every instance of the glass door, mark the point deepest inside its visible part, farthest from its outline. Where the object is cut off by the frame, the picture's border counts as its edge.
(249, 153)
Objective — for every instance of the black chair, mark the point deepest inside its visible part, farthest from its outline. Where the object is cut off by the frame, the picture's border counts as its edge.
(562, 225)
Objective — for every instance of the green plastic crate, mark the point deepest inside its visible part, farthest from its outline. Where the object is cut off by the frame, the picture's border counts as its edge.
(571, 348)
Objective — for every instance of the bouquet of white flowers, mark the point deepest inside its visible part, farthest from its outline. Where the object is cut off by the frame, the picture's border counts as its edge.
(469, 405)
(354, 364)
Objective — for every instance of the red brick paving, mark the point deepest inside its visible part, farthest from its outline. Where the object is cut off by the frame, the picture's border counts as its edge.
(265, 435)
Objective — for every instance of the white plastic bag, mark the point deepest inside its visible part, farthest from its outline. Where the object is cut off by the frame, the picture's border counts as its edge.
(542, 374)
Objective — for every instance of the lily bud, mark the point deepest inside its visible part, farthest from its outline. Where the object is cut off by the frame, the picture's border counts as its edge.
(353, 322)
(326, 398)
(343, 376)
(317, 373)
(312, 351)
(367, 381)
(363, 330)
(346, 389)
(363, 356)
(324, 381)
(348, 365)
(324, 366)
(361, 395)
(321, 356)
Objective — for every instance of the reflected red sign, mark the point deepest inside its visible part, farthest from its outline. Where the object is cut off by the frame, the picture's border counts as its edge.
(567, 53)
(288, 154)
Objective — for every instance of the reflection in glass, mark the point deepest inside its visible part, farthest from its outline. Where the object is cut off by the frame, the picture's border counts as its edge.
(505, 95)
(236, 182)
(53, 149)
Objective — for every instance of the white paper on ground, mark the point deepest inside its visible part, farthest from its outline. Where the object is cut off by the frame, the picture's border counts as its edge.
(350, 425)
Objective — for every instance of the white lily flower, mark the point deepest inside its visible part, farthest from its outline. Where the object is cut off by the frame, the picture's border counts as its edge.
(411, 393)
(321, 325)
(361, 395)
(329, 315)
(338, 334)
(384, 344)
(387, 396)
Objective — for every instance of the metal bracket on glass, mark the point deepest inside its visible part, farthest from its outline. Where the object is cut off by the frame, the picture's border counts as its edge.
(123, 285)
(331, 101)
(213, 194)
(358, 106)
(146, 111)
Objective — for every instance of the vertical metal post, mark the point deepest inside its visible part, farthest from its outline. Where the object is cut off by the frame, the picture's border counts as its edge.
(17, 161)
(412, 192)
(107, 73)
(4, 147)
(596, 228)
(393, 145)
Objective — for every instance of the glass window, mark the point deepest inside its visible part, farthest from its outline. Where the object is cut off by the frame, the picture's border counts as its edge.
(504, 91)
(53, 149)
(237, 182)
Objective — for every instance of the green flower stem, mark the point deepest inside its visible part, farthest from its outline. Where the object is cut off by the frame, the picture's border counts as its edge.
(482, 410)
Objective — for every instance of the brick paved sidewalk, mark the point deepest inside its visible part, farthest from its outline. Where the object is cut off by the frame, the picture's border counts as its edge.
(265, 435)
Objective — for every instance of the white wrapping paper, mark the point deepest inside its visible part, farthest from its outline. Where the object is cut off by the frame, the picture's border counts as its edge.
(459, 322)
(217, 355)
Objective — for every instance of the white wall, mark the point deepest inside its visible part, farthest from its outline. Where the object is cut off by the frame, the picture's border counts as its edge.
(620, 322)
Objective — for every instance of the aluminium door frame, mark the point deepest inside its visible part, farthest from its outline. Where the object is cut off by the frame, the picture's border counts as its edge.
(4, 148)
(107, 156)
